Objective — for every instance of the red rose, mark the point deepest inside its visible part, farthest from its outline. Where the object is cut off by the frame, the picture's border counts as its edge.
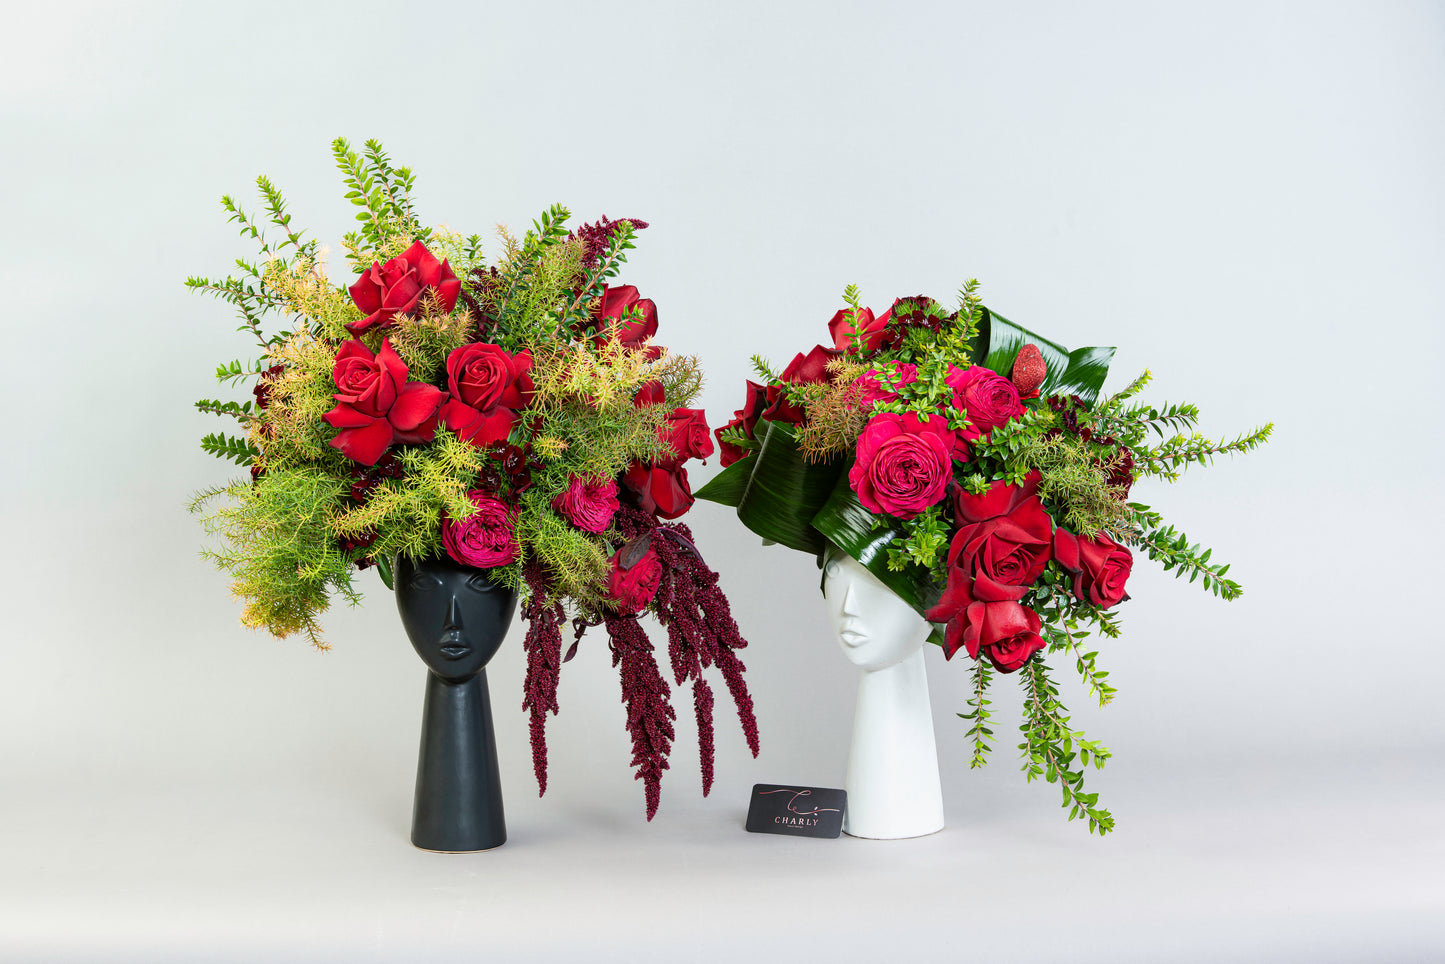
(687, 434)
(483, 539)
(488, 387)
(386, 290)
(376, 405)
(662, 490)
(634, 578)
(635, 318)
(1100, 567)
(989, 399)
(903, 464)
(1004, 538)
(809, 369)
(650, 394)
(875, 331)
(745, 419)
(588, 504)
(1003, 630)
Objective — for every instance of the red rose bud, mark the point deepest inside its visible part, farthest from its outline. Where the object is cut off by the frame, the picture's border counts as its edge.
(876, 334)
(746, 419)
(398, 287)
(1100, 567)
(1029, 371)
(488, 388)
(650, 394)
(809, 369)
(686, 433)
(635, 318)
(636, 574)
(661, 490)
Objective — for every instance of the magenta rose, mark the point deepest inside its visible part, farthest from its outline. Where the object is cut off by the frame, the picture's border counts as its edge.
(485, 538)
(375, 404)
(634, 579)
(903, 464)
(635, 317)
(809, 369)
(687, 434)
(1100, 567)
(1004, 538)
(588, 504)
(386, 290)
(989, 399)
(661, 490)
(488, 388)
(1003, 630)
(875, 332)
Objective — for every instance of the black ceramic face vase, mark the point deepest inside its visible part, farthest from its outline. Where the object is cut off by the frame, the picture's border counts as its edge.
(455, 616)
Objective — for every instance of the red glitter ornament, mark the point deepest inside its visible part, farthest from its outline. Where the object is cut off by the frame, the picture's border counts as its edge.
(1029, 371)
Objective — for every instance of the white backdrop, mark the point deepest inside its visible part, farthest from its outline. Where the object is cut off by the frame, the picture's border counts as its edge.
(1245, 198)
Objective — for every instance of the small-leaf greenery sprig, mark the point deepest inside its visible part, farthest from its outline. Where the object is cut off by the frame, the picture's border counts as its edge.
(982, 457)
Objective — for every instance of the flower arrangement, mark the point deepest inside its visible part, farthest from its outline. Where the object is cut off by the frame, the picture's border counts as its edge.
(514, 415)
(972, 466)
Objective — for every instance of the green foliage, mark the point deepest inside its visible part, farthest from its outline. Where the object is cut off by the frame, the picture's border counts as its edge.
(980, 734)
(1051, 747)
(1074, 483)
(227, 447)
(1166, 459)
(241, 411)
(1173, 550)
(924, 543)
(383, 194)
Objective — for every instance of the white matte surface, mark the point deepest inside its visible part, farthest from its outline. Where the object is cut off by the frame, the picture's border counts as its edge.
(1246, 197)
(892, 782)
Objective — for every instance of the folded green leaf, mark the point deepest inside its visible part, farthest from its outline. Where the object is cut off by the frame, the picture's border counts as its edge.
(1080, 372)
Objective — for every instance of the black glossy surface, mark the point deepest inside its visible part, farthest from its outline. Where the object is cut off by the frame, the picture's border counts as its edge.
(456, 619)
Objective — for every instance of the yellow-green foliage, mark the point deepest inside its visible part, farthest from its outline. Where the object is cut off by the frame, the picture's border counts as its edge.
(836, 413)
(279, 547)
(291, 430)
(425, 341)
(303, 286)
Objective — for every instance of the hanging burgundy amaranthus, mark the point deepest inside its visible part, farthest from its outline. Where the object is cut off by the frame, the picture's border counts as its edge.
(543, 646)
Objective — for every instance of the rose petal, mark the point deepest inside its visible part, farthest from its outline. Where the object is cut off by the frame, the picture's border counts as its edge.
(364, 445)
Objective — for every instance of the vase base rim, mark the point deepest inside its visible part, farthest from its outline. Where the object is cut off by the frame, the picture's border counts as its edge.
(896, 836)
(477, 850)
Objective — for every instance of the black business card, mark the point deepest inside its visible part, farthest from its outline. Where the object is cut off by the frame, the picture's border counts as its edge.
(796, 811)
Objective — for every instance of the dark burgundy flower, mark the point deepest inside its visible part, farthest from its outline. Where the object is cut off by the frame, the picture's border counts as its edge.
(386, 290)
(376, 405)
(596, 236)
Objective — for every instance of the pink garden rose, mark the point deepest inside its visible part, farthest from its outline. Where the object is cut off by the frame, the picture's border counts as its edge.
(903, 464)
(485, 538)
(990, 399)
(588, 504)
(398, 287)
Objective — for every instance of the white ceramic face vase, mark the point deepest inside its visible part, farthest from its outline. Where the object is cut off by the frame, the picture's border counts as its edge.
(875, 628)
(893, 786)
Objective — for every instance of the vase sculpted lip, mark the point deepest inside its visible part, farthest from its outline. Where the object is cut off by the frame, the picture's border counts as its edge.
(875, 628)
(455, 616)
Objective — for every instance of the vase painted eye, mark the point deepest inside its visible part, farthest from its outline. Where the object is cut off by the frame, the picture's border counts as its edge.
(424, 582)
(481, 583)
